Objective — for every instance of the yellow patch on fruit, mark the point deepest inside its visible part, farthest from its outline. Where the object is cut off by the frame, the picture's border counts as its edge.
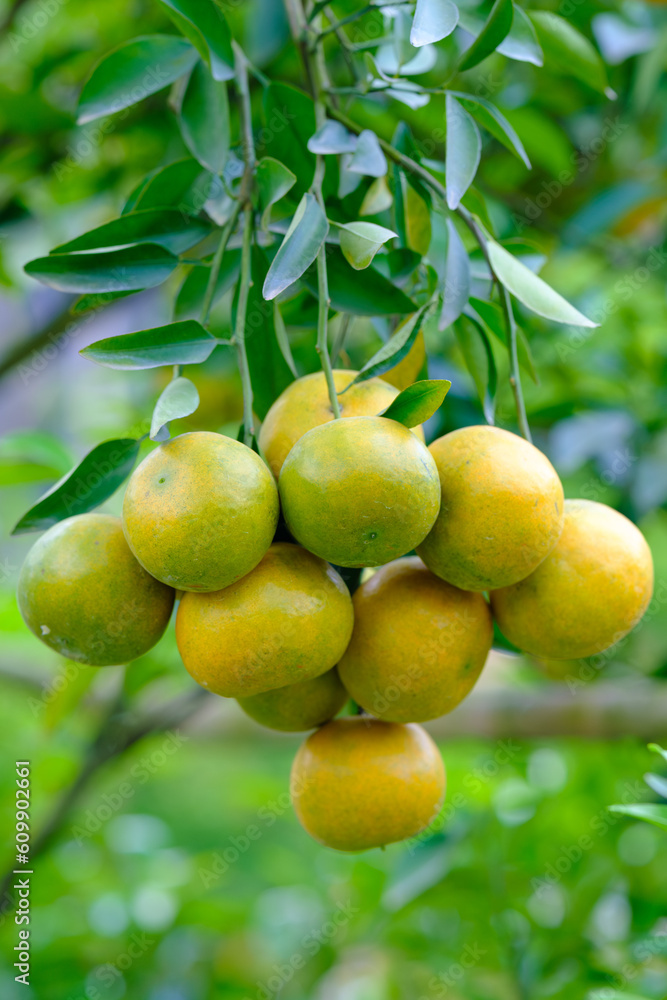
(359, 492)
(305, 404)
(418, 644)
(501, 511)
(82, 592)
(200, 511)
(298, 707)
(359, 783)
(587, 594)
(287, 621)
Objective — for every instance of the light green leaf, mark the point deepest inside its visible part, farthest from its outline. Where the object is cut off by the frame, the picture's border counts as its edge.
(457, 278)
(463, 150)
(497, 27)
(389, 355)
(360, 241)
(531, 289)
(179, 399)
(480, 362)
(203, 22)
(489, 116)
(377, 199)
(655, 814)
(134, 268)
(274, 180)
(183, 343)
(521, 43)
(165, 227)
(133, 71)
(303, 239)
(204, 119)
(332, 137)
(433, 20)
(368, 158)
(568, 51)
(418, 402)
(658, 749)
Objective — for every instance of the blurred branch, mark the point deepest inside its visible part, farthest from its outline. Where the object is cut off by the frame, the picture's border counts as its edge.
(36, 341)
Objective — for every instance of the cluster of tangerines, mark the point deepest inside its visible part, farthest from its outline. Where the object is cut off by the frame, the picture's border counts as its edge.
(272, 623)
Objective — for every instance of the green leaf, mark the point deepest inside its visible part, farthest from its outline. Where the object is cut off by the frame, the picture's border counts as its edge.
(418, 402)
(289, 122)
(457, 278)
(204, 119)
(31, 456)
(360, 241)
(132, 72)
(417, 218)
(657, 783)
(655, 814)
(179, 399)
(521, 43)
(190, 298)
(370, 295)
(433, 20)
(204, 24)
(463, 150)
(377, 199)
(182, 184)
(332, 137)
(283, 339)
(389, 355)
(568, 51)
(134, 268)
(368, 158)
(87, 486)
(531, 289)
(479, 361)
(274, 180)
(163, 226)
(488, 115)
(497, 27)
(270, 372)
(184, 343)
(658, 749)
(306, 234)
(97, 300)
(491, 316)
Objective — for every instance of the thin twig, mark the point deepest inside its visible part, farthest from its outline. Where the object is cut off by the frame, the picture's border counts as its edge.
(217, 262)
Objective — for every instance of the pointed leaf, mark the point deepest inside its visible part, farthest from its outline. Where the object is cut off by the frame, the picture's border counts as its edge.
(568, 51)
(204, 119)
(479, 361)
(87, 486)
(497, 27)
(190, 298)
(377, 199)
(289, 123)
(434, 19)
(418, 402)
(655, 814)
(360, 241)
(303, 239)
(463, 150)
(165, 227)
(368, 157)
(457, 278)
(97, 300)
(332, 137)
(488, 115)
(184, 343)
(179, 399)
(657, 783)
(417, 218)
(391, 353)
(274, 180)
(203, 22)
(133, 71)
(283, 339)
(134, 268)
(521, 43)
(531, 289)
(172, 186)
(658, 749)
(491, 316)
(270, 372)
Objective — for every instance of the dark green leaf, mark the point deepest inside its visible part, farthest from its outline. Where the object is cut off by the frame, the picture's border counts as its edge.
(391, 353)
(289, 123)
(496, 28)
(491, 315)
(184, 343)
(274, 180)
(488, 115)
(457, 278)
(463, 150)
(655, 814)
(133, 268)
(183, 185)
(179, 399)
(369, 295)
(303, 239)
(418, 402)
(132, 72)
(360, 241)
(204, 119)
(283, 339)
(203, 22)
(190, 298)
(87, 486)
(269, 370)
(434, 19)
(568, 51)
(480, 362)
(97, 300)
(163, 226)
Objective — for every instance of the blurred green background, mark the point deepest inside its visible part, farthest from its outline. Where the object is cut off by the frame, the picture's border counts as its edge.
(195, 881)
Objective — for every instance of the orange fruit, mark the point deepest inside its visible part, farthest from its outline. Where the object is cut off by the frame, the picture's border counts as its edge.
(299, 706)
(359, 492)
(358, 783)
(200, 511)
(82, 592)
(288, 620)
(587, 594)
(305, 404)
(501, 511)
(418, 644)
